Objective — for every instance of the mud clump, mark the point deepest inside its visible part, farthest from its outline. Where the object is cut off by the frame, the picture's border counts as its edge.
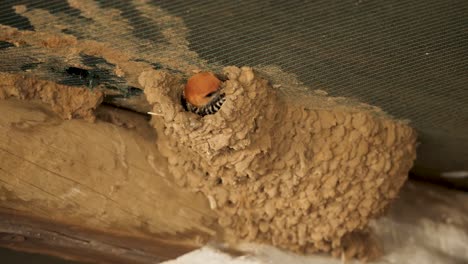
(68, 102)
(277, 172)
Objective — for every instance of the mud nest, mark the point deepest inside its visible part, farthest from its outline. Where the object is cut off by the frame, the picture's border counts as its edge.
(300, 173)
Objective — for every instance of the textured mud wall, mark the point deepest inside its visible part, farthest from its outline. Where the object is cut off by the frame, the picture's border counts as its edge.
(277, 171)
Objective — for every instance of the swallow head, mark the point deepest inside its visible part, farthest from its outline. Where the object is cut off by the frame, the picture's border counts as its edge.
(202, 94)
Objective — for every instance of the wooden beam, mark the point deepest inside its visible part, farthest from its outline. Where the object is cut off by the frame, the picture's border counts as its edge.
(92, 191)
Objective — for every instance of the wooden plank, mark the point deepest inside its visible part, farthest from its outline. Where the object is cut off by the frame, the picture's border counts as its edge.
(94, 189)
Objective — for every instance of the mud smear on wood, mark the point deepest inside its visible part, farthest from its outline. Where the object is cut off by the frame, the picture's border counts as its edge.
(67, 101)
(279, 165)
(97, 49)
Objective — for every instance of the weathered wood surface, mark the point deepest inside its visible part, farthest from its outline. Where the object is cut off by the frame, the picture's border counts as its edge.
(94, 191)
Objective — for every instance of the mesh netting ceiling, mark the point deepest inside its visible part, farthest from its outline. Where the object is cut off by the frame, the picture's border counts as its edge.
(409, 58)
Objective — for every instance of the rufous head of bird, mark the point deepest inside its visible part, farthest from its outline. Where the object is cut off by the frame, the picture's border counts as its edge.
(202, 88)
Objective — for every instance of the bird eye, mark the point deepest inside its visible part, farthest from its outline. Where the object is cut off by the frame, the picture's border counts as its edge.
(210, 94)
